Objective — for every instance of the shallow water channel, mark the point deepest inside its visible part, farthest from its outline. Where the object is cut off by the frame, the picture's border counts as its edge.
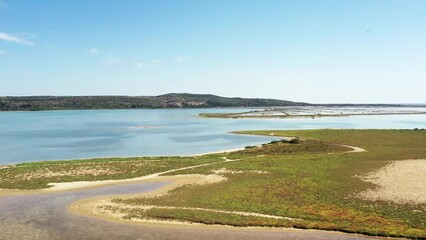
(45, 216)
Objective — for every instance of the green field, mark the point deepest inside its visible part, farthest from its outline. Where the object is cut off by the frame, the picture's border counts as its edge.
(312, 181)
(303, 181)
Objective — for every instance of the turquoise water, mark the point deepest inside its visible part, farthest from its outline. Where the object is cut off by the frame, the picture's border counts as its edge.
(54, 135)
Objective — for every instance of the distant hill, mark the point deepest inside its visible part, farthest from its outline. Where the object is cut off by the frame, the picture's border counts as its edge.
(171, 100)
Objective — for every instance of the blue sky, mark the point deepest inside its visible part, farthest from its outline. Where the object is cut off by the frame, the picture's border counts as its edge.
(314, 51)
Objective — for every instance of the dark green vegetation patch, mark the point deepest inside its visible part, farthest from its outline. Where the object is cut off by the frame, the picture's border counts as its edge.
(172, 100)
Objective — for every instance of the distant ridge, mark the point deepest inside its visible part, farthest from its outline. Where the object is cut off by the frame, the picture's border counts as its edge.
(170, 100)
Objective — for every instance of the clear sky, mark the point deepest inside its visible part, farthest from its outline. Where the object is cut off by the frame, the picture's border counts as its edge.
(314, 51)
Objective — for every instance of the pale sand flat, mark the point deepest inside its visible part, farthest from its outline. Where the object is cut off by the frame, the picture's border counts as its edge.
(402, 182)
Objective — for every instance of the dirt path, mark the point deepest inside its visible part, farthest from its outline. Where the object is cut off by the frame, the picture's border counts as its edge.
(354, 149)
(222, 211)
(108, 209)
(88, 184)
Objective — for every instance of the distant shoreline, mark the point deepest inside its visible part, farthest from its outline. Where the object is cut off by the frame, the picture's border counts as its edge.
(240, 116)
(234, 107)
(166, 101)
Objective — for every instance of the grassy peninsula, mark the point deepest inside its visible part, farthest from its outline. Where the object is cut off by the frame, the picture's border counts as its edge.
(317, 181)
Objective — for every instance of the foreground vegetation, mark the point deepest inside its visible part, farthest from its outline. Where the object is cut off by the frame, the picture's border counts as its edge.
(309, 182)
(302, 181)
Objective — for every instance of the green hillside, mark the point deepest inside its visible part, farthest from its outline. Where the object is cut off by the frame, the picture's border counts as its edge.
(172, 100)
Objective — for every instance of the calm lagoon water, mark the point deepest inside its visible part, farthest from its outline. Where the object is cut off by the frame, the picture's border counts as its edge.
(54, 135)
